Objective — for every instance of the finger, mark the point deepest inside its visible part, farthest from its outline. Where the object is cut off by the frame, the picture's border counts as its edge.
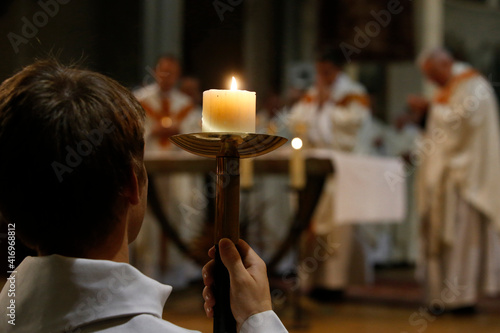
(207, 273)
(231, 258)
(211, 252)
(208, 297)
(208, 310)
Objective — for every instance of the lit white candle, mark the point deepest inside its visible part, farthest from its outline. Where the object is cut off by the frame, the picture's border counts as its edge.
(229, 110)
(297, 166)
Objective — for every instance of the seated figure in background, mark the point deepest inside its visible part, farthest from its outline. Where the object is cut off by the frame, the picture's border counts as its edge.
(169, 112)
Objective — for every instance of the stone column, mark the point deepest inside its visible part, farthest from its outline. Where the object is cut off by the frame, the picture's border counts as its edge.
(430, 25)
(493, 3)
(163, 21)
(309, 29)
(258, 45)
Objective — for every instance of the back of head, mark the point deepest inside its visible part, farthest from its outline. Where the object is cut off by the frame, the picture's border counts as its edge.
(69, 139)
(436, 64)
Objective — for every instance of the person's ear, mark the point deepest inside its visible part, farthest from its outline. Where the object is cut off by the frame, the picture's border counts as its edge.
(132, 191)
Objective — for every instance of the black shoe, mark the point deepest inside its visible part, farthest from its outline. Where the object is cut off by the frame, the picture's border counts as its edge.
(464, 310)
(324, 295)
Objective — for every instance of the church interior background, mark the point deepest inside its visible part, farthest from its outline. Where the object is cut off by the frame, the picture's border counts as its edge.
(272, 45)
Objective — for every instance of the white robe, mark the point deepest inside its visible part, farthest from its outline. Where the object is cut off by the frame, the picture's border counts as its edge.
(337, 126)
(152, 96)
(459, 176)
(333, 126)
(177, 192)
(75, 295)
(268, 205)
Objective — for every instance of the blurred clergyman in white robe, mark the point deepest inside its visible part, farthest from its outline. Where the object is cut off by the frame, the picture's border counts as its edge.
(168, 112)
(331, 115)
(458, 186)
(269, 199)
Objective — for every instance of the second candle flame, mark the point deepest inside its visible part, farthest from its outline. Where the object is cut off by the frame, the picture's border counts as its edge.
(234, 86)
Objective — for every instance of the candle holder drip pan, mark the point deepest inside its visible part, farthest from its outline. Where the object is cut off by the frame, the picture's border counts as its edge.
(213, 144)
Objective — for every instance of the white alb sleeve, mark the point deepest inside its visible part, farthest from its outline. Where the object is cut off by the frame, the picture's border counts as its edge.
(263, 322)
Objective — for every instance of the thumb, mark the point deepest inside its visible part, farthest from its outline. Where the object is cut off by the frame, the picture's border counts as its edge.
(231, 257)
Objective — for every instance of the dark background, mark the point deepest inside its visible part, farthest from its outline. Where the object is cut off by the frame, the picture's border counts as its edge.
(107, 36)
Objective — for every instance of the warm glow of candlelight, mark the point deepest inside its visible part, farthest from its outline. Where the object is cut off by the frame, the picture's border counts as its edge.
(297, 143)
(229, 111)
(234, 86)
(166, 122)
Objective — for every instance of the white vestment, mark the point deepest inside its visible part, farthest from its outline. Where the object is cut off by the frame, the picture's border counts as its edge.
(459, 190)
(75, 295)
(151, 98)
(337, 124)
(269, 205)
(176, 192)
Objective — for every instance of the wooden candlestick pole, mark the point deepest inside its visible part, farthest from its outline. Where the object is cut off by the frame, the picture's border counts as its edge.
(227, 148)
(227, 225)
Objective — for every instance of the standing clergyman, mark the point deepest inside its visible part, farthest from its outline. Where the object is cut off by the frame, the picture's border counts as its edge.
(458, 185)
(332, 115)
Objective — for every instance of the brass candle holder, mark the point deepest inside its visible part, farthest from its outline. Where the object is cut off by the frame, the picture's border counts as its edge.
(227, 149)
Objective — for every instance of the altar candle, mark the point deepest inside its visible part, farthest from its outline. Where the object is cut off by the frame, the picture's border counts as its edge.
(246, 173)
(297, 166)
(228, 110)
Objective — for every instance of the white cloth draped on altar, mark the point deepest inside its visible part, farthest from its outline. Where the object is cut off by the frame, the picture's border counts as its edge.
(369, 189)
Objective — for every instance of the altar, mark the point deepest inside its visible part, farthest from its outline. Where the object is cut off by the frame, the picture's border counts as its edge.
(170, 162)
(378, 196)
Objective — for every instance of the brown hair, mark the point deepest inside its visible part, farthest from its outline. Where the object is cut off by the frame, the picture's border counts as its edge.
(69, 140)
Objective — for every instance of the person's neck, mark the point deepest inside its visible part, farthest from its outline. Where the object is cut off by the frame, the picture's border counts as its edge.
(334, 79)
(119, 254)
(166, 93)
(114, 248)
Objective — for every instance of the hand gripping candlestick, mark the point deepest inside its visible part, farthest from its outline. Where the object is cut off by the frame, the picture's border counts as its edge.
(227, 148)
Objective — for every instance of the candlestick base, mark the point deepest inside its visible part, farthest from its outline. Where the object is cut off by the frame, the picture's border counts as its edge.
(211, 145)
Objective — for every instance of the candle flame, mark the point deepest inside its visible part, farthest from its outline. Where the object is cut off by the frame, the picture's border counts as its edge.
(234, 86)
(297, 143)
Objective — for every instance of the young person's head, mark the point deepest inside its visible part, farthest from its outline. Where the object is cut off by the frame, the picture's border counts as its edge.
(71, 158)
